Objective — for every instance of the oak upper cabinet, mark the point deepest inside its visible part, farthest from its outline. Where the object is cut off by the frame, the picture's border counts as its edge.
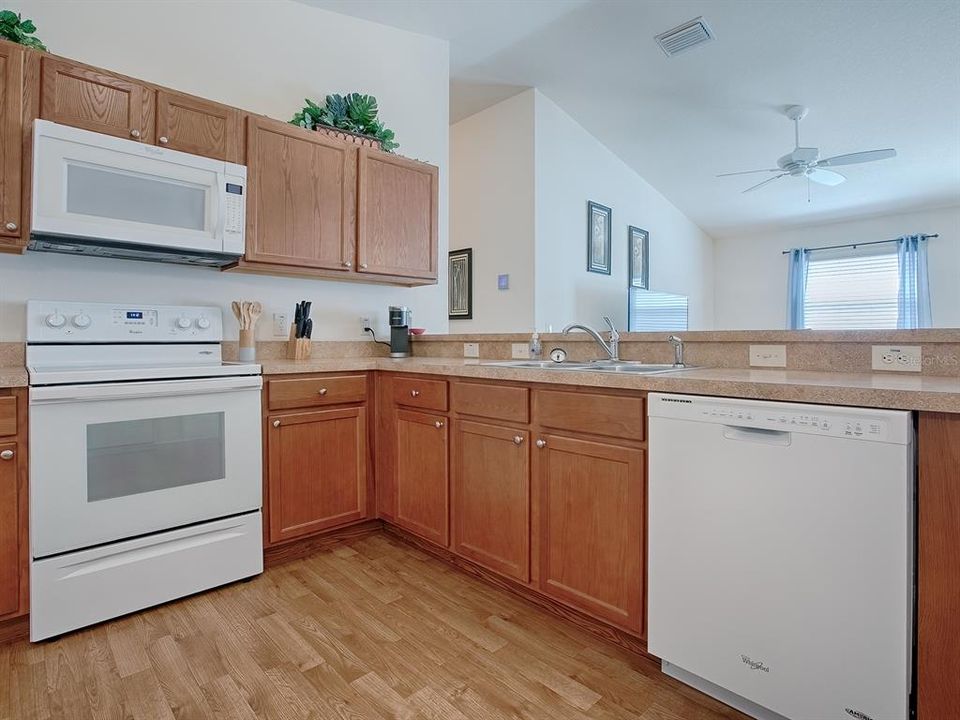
(317, 471)
(301, 208)
(9, 530)
(194, 125)
(421, 480)
(397, 216)
(11, 126)
(92, 99)
(491, 497)
(590, 499)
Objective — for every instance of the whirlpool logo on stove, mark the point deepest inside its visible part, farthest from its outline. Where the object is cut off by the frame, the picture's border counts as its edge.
(857, 714)
(757, 665)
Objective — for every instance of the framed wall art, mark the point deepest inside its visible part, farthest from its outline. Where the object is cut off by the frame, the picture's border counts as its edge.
(639, 242)
(599, 221)
(460, 289)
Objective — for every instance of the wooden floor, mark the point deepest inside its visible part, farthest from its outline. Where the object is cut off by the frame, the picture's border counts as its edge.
(369, 629)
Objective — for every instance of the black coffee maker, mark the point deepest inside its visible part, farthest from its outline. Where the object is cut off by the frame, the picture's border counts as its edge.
(400, 317)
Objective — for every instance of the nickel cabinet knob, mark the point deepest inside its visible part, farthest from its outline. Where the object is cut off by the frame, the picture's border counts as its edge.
(164, 139)
(347, 264)
(322, 391)
(11, 226)
(438, 424)
(135, 134)
(541, 443)
(518, 439)
(414, 393)
(363, 266)
(276, 423)
(6, 455)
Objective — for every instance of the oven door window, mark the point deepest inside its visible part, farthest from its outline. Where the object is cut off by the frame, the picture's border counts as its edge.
(133, 457)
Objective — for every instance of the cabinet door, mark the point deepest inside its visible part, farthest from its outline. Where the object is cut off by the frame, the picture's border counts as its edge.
(11, 125)
(421, 475)
(301, 209)
(94, 100)
(397, 216)
(491, 497)
(199, 126)
(317, 475)
(9, 530)
(591, 509)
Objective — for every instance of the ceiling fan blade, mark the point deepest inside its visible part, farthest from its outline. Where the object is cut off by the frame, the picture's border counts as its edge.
(825, 177)
(747, 172)
(858, 157)
(765, 182)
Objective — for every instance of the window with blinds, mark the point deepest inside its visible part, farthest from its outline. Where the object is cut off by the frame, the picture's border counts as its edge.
(851, 289)
(656, 311)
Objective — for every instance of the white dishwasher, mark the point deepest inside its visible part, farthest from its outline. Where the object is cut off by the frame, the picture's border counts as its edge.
(781, 555)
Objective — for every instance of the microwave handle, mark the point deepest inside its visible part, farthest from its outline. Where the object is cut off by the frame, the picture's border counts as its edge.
(221, 206)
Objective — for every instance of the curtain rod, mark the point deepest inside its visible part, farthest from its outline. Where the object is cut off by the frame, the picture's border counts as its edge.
(856, 245)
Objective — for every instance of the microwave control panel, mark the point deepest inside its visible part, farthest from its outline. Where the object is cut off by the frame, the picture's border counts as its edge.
(234, 203)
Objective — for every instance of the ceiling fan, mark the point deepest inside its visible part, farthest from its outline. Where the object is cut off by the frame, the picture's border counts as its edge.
(805, 161)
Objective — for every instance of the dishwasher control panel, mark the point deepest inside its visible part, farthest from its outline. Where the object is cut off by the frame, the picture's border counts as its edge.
(825, 420)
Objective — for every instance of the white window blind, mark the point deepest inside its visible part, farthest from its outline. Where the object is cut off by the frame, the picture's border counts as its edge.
(852, 289)
(657, 311)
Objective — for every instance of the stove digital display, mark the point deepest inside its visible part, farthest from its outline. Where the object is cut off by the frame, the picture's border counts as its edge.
(134, 314)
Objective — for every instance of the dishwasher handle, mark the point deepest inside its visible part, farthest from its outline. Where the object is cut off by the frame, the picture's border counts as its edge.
(781, 438)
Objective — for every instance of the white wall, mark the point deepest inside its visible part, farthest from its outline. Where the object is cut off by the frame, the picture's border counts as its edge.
(751, 271)
(492, 211)
(264, 57)
(573, 167)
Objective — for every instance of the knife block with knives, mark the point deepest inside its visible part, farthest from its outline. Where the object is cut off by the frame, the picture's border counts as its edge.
(301, 332)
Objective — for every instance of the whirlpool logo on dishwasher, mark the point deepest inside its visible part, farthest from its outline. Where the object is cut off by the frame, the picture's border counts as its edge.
(857, 714)
(755, 664)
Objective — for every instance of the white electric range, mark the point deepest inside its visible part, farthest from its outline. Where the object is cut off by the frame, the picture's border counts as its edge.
(145, 460)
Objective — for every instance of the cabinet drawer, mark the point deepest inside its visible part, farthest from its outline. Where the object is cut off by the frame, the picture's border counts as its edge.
(311, 392)
(8, 415)
(498, 402)
(427, 394)
(610, 415)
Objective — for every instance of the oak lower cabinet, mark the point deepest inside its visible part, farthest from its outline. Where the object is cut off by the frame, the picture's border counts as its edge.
(490, 506)
(85, 97)
(9, 529)
(590, 508)
(317, 471)
(11, 151)
(302, 196)
(397, 216)
(421, 479)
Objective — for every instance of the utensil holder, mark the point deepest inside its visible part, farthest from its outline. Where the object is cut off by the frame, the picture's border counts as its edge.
(298, 348)
(247, 351)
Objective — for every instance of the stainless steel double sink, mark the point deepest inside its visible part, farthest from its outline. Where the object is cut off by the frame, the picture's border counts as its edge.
(609, 366)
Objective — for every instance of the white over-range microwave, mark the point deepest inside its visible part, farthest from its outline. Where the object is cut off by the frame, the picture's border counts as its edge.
(94, 194)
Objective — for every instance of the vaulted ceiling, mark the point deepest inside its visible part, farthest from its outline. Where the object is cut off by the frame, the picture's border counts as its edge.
(875, 73)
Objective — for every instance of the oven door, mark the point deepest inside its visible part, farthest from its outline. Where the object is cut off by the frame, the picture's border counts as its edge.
(118, 460)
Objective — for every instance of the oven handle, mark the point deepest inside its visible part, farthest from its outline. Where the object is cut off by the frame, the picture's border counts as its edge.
(142, 390)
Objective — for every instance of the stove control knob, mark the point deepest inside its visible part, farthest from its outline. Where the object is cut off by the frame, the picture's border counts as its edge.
(55, 320)
(183, 323)
(203, 323)
(81, 321)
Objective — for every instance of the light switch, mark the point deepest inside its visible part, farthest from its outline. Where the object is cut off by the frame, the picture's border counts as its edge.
(471, 350)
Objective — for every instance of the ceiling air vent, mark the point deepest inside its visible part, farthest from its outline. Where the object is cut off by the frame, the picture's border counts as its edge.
(686, 36)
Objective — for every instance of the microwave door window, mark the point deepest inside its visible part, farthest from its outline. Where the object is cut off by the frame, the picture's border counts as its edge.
(136, 197)
(132, 457)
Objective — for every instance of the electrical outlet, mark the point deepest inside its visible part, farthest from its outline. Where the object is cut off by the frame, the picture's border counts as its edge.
(281, 328)
(471, 350)
(900, 358)
(519, 351)
(768, 355)
(364, 324)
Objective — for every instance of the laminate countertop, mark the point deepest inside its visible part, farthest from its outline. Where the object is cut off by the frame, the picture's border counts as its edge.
(934, 393)
(13, 376)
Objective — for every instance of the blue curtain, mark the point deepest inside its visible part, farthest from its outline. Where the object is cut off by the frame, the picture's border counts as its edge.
(796, 288)
(913, 297)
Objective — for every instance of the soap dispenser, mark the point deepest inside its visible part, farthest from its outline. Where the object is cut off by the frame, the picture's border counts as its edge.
(536, 348)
